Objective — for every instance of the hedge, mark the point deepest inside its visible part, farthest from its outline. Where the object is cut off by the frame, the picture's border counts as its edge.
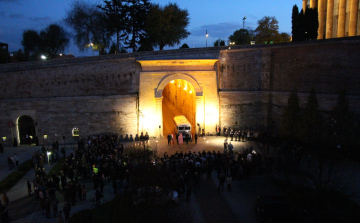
(15, 177)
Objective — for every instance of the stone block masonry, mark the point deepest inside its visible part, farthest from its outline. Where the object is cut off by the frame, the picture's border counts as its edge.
(114, 77)
(245, 86)
(90, 114)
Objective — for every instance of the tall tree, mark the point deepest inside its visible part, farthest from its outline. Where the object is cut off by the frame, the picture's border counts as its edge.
(54, 39)
(268, 30)
(302, 26)
(343, 125)
(240, 37)
(115, 19)
(136, 12)
(312, 120)
(49, 42)
(166, 26)
(295, 24)
(219, 42)
(291, 117)
(311, 23)
(89, 26)
(31, 44)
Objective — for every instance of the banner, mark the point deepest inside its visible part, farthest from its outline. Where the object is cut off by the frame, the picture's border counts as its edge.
(181, 140)
(172, 139)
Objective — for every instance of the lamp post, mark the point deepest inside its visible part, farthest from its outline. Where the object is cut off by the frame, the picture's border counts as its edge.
(206, 37)
(92, 49)
(48, 155)
(244, 22)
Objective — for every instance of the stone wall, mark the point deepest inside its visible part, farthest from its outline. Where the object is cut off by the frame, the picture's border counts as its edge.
(90, 114)
(112, 77)
(256, 83)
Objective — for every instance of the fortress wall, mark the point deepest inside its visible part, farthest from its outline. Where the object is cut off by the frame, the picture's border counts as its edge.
(255, 83)
(112, 77)
(90, 114)
(327, 66)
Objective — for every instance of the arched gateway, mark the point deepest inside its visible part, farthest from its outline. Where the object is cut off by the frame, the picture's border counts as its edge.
(157, 74)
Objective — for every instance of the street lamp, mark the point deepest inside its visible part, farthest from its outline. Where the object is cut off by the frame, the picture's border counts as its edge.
(244, 22)
(92, 49)
(206, 37)
(48, 155)
(43, 57)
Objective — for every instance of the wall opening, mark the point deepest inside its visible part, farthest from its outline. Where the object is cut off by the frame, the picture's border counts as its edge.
(26, 130)
(179, 98)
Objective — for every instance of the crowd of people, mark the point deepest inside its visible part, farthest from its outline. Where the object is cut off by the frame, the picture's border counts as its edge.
(101, 159)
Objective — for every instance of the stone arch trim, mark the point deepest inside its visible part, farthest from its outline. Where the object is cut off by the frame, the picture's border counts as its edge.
(167, 78)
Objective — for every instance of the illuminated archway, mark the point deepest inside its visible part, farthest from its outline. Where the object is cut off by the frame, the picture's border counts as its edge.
(26, 129)
(166, 79)
(179, 98)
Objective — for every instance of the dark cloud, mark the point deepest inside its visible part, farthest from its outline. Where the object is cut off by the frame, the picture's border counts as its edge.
(16, 16)
(40, 19)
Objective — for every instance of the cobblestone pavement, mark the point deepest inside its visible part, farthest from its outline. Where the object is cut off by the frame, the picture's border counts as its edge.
(234, 206)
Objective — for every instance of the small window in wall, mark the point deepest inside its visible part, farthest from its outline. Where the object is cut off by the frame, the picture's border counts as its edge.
(75, 132)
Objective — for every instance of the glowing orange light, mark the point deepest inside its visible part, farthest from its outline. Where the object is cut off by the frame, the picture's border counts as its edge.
(172, 81)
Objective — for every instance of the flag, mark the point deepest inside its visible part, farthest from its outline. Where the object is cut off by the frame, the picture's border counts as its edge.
(181, 139)
(172, 139)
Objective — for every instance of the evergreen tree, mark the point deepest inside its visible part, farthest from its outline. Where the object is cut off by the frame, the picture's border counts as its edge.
(114, 18)
(343, 125)
(184, 46)
(302, 29)
(312, 121)
(295, 24)
(219, 42)
(312, 23)
(136, 12)
(291, 118)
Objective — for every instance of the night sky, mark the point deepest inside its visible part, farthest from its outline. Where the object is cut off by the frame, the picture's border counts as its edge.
(219, 18)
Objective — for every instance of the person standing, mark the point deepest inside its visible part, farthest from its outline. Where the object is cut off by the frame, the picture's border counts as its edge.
(66, 210)
(218, 130)
(63, 151)
(221, 182)
(225, 145)
(231, 134)
(169, 139)
(16, 159)
(228, 182)
(196, 137)
(225, 130)
(28, 187)
(231, 147)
